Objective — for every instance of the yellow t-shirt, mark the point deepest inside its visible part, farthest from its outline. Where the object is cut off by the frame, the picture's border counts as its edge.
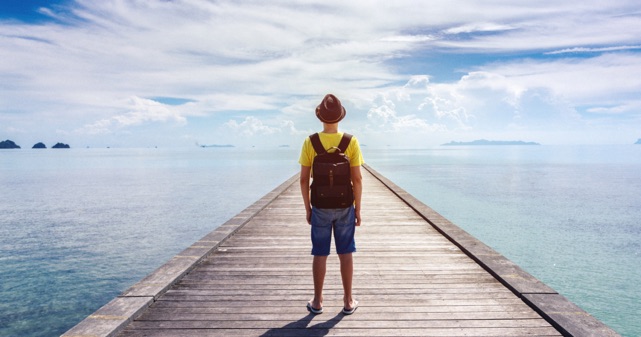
(329, 140)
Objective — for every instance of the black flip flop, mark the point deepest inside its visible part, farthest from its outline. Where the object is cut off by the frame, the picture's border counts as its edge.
(313, 310)
(350, 311)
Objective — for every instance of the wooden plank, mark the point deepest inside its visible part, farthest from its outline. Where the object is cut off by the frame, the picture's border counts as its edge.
(416, 274)
(192, 307)
(336, 302)
(178, 314)
(331, 330)
(252, 277)
(113, 316)
(567, 317)
(539, 296)
(408, 304)
(348, 324)
(411, 281)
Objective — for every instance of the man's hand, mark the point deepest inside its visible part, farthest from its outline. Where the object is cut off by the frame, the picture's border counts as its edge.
(357, 185)
(305, 173)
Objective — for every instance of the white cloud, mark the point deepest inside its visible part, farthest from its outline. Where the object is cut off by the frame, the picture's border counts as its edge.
(102, 126)
(543, 25)
(252, 126)
(146, 110)
(280, 57)
(409, 38)
(478, 27)
(592, 50)
(582, 81)
(397, 109)
(479, 102)
(140, 111)
(624, 107)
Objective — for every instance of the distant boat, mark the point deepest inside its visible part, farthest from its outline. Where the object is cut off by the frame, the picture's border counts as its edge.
(217, 145)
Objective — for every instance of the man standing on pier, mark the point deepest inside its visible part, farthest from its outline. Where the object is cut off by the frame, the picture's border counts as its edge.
(330, 206)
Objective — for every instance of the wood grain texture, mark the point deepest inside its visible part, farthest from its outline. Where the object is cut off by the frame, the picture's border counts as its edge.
(409, 278)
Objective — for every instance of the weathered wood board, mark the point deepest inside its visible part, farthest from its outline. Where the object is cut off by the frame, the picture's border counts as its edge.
(416, 274)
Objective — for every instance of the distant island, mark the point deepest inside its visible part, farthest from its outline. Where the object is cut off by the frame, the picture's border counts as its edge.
(638, 141)
(61, 146)
(491, 142)
(8, 144)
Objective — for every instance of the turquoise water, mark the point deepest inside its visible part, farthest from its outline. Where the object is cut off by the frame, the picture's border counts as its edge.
(79, 226)
(570, 216)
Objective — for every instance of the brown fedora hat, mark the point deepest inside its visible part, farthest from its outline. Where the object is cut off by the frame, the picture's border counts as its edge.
(330, 110)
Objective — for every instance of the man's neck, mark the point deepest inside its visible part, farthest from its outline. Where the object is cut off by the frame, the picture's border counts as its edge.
(330, 128)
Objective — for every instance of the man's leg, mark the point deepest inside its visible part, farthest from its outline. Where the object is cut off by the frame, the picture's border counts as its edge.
(347, 272)
(321, 241)
(344, 231)
(319, 268)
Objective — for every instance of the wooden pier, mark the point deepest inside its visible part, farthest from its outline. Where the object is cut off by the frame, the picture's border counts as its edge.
(416, 274)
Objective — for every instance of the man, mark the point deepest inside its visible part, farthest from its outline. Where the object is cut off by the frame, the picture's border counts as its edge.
(325, 220)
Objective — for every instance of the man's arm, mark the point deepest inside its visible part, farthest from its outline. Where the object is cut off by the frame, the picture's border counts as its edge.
(357, 184)
(305, 172)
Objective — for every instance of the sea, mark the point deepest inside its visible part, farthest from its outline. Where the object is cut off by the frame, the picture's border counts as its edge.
(79, 226)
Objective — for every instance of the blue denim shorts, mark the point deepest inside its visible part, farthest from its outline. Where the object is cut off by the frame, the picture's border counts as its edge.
(342, 221)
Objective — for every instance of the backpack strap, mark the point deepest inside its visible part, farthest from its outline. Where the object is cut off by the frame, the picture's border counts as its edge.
(316, 143)
(347, 138)
(318, 146)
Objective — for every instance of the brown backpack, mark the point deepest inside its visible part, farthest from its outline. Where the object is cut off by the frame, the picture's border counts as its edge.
(331, 180)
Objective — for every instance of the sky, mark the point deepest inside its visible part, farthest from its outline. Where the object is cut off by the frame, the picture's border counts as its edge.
(176, 73)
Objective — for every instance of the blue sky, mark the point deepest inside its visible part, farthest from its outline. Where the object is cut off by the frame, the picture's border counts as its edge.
(410, 73)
